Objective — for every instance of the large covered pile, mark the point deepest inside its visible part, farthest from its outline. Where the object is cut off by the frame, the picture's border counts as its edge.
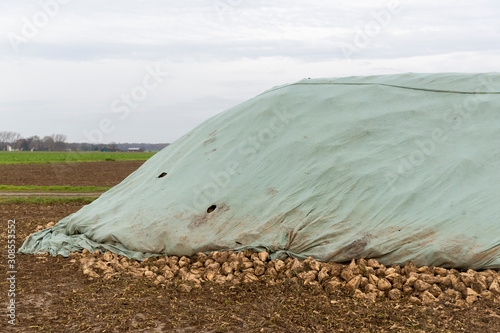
(399, 168)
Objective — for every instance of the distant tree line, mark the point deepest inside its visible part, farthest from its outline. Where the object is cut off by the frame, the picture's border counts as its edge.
(57, 142)
(54, 142)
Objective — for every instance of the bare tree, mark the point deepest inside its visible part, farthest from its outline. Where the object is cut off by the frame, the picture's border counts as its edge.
(22, 144)
(34, 142)
(3, 140)
(48, 142)
(15, 137)
(59, 137)
(59, 141)
(9, 138)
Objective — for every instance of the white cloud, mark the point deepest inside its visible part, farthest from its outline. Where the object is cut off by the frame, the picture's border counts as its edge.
(65, 78)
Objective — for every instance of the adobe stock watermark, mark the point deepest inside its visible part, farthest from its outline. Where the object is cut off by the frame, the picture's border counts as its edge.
(125, 103)
(453, 119)
(364, 35)
(38, 21)
(11, 272)
(224, 8)
(206, 194)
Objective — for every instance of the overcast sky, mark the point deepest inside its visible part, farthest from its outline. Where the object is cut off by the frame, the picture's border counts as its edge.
(150, 71)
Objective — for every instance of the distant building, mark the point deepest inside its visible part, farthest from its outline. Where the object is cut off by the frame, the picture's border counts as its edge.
(135, 150)
(9, 148)
(109, 149)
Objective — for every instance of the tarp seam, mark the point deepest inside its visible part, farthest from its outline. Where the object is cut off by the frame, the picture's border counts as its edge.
(384, 84)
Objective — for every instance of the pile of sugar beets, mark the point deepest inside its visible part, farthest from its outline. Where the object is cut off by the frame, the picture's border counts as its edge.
(365, 279)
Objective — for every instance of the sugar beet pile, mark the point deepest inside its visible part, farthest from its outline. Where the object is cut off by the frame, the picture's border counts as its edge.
(399, 168)
(365, 279)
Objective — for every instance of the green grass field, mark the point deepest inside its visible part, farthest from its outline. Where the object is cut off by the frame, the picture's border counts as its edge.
(29, 157)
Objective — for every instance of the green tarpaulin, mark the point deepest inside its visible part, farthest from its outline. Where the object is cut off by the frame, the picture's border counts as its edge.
(395, 167)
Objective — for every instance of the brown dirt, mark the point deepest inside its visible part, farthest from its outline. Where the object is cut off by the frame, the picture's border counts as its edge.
(53, 295)
(49, 194)
(68, 174)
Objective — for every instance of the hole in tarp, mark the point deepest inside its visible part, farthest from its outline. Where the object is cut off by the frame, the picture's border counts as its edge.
(211, 208)
(238, 243)
(163, 174)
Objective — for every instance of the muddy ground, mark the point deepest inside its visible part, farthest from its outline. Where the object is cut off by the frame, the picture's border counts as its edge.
(103, 174)
(53, 295)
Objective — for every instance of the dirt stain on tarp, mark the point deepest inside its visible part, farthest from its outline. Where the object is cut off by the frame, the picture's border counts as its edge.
(199, 220)
(485, 257)
(355, 248)
(208, 141)
(271, 191)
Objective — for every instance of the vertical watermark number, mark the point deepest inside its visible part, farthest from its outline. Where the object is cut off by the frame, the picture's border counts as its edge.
(11, 272)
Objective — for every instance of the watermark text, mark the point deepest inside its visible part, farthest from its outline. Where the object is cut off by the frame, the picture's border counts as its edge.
(11, 272)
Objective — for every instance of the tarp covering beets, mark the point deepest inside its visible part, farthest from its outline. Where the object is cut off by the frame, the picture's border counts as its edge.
(395, 167)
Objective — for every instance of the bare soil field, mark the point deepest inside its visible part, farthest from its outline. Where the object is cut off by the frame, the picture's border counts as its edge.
(107, 173)
(54, 295)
